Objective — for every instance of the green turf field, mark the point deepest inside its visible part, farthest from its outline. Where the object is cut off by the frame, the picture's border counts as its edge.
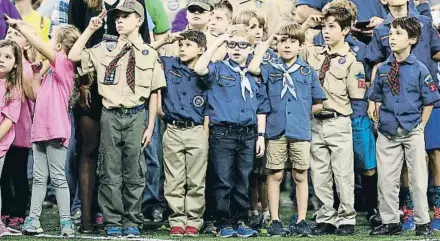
(49, 221)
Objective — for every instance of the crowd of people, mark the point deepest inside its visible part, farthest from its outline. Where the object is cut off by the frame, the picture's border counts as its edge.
(193, 111)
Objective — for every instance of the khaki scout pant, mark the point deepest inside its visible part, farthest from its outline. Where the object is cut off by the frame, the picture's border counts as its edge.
(185, 152)
(391, 153)
(332, 157)
(122, 167)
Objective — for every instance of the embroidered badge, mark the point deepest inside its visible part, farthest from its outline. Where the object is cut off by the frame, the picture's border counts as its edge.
(431, 83)
(111, 46)
(258, 3)
(356, 48)
(266, 56)
(342, 60)
(145, 52)
(305, 70)
(198, 101)
(173, 5)
(360, 77)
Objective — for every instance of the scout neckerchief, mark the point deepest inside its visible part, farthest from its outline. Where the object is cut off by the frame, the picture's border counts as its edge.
(393, 77)
(130, 74)
(326, 66)
(245, 83)
(287, 79)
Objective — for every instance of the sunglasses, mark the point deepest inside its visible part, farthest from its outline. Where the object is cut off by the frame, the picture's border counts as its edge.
(241, 45)
(195, 8)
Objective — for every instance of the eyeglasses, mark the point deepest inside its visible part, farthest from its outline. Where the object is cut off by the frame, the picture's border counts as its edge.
(241, 45)
(195, 8)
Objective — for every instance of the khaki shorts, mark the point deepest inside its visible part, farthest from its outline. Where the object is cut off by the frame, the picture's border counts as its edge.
(283, 153)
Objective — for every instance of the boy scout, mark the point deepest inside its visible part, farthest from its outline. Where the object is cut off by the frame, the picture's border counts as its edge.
(129, 74)
(221, 18)
(404, 93)
(428, 51)
(343, 79)
(364, 143)
(294, 93)
(185, 142)
(233, 131)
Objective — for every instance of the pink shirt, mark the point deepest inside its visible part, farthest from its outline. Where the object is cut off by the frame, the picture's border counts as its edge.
(51, 117)
(10, 110)
(23, 126)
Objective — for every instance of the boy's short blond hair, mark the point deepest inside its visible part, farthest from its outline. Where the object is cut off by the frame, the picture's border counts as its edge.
(240, 30)
(245, 16)
(344, 4)
(225, 5)
(293, 31)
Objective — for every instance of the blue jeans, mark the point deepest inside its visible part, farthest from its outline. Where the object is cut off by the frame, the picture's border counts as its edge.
(232, 152)
(72, 167)
(153, 194)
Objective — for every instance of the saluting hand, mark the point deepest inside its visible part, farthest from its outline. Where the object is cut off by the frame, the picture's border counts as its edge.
(173, 37)
(97, 22)
(13, 23)
(313, 21)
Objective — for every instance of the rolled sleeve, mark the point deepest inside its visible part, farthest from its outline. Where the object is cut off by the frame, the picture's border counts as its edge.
(158, 81)
(375, 92)
(317, 91)
(356, 81)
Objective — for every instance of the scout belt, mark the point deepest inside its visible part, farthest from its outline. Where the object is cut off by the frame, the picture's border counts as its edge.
(324, 115)
(128, 111)
(182, 123)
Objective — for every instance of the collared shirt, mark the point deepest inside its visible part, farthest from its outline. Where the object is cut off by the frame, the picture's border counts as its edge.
(291, 116)
(60, 14)
(360, 107)
(149, 73)
(428, 45)
(344, 80)
(405, 109)
(185, 95)
(225, 102)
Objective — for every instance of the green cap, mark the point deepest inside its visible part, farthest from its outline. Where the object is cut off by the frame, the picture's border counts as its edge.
(129, 6)
(205, 4)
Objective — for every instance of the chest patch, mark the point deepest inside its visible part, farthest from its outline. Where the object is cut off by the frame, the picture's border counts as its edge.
(198, 101)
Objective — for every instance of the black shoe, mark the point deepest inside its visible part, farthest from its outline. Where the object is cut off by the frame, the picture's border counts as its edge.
(424, 230)
(374, 219)
(276, 228)
(254, 221)
(345, 230)
(209, 228)
(388, 229)
(324, 229)
(302, 229)
(86, 230)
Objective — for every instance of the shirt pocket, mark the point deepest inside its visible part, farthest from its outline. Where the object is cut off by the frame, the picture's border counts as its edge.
(144, 74)
(174, 77)
(226, 87)
(275, 82)
(304, 87)
(335, 81)
(114, 76)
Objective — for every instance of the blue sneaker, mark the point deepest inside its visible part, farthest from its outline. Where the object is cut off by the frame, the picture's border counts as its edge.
(227, 232)
(131, 232)
(114, 231)
(435, 223)
(244, 231)
(32, 226)
(408, 220)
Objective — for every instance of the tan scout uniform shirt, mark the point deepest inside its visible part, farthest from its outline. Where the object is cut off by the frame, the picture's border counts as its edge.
(344, 80)
(172, 7)
(267, 8)
(149, 75)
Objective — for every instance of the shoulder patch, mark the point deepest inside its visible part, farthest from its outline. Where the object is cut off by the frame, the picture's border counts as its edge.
(266, 56)
(360, 77)
(431, 83)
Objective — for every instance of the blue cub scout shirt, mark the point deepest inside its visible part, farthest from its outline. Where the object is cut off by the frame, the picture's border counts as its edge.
(290, 116)
(226, 105)
(417, 89)
(428, 45)
(185, 96)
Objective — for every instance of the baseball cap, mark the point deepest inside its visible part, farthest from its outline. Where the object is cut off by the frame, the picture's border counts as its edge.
(129, 6)
(205, 4)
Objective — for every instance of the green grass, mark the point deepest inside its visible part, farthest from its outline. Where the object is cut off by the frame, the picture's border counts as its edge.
(49, 221)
